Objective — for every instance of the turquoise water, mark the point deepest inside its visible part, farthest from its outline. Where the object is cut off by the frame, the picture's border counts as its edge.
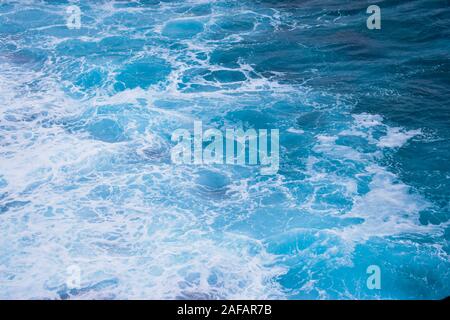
(86, 179)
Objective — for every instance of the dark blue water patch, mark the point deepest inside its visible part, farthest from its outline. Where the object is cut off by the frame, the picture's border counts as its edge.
(201, 56)
(30, 188)
(431, 26)
(91, 79)
(202, 9)
(421, 86)
(29, 58)
(11, 205)
(230, 57)
(155, 154)
(435, 216)
(3, 183)
(77, 48)
(227, 26)
(142, 74)
(252, 118)
(100, 192)
(226, 76)
(138, 4)
(289, 57)
(106, 130)
(237, 23)
(66, 293)
(314, 119)
(323, 122)
(57, 2)
(193, 74)
(120, 44)
(182, 29)
(348, 44)
(194, 87)
(71, 124)
(287, 108)
(25, 116)
(4, 195)
(296, 149)
(211, 179)
(48, 212)
(211, 185)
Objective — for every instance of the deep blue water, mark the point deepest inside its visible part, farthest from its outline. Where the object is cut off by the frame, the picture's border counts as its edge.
(86, 117)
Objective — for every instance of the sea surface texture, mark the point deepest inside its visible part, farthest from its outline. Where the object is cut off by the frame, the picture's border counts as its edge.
(88, 189)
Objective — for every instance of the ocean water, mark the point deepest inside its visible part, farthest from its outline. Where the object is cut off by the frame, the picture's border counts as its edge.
(86, 180)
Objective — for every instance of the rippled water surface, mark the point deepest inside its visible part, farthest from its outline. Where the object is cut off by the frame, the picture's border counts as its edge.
(86, 179)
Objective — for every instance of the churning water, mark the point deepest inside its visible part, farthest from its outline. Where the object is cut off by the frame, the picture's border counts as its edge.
(86, 117)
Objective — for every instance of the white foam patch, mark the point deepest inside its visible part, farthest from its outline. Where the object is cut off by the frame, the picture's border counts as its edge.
(368, 120)
(296, 131)
(327, 144)
(78, 207)
(397, 137)
(388, 209)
